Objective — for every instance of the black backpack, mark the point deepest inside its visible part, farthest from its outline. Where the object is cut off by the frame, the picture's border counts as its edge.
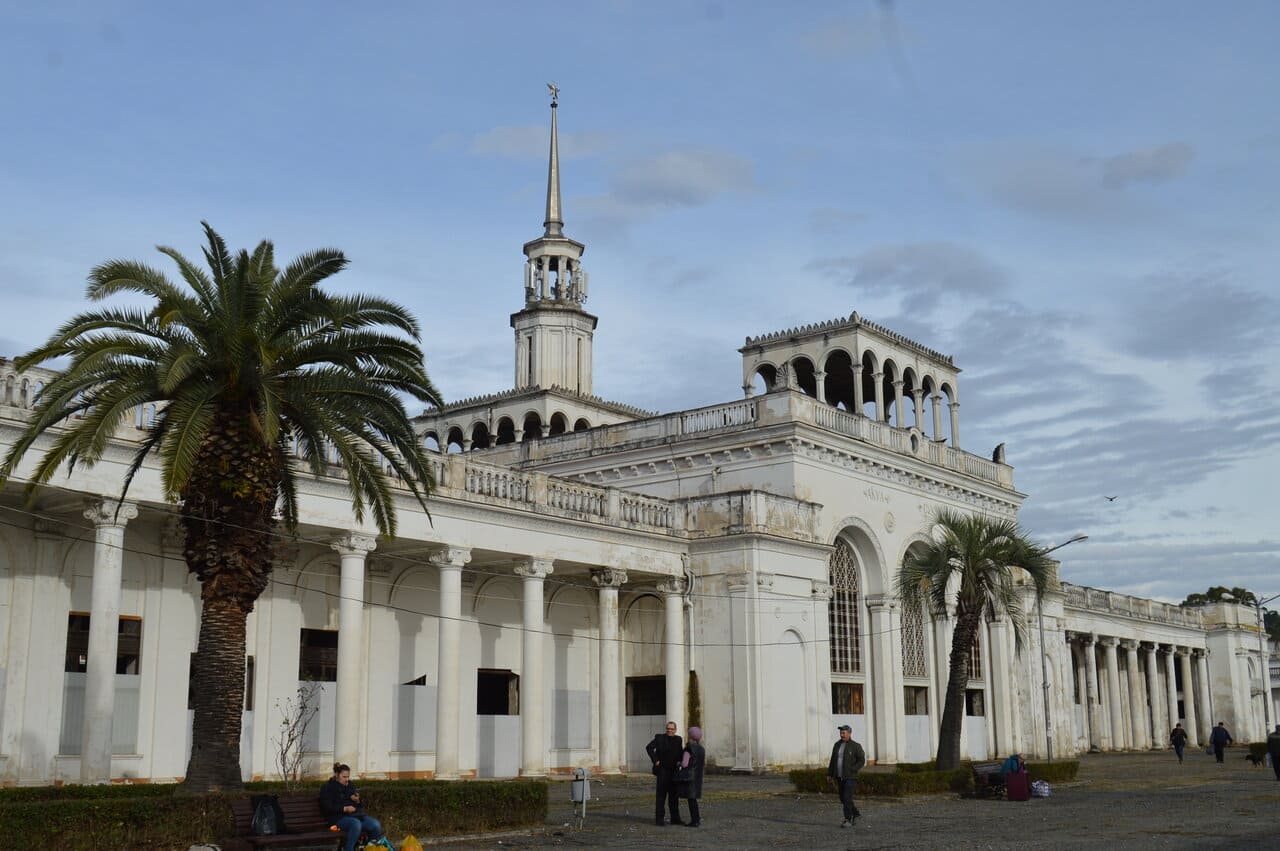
(268, 818)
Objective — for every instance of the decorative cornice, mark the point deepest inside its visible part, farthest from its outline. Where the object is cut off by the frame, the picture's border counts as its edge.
(876, 602)
(672, 586)
(110, 512)
(354, 543)
(450, 556)
(609, 577)
(852, 323)
(534, 568)
(531, 392)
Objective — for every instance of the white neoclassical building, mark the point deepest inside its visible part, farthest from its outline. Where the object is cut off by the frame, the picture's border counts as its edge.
(584, 566)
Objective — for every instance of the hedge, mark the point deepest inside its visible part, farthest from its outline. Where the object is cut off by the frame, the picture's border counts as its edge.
(893, 784)
(72, 818)
(1054, 772)
(920, 778)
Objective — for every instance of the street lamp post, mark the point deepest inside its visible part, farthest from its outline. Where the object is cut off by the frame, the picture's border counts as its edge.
(1044, 676)
(1262, 665)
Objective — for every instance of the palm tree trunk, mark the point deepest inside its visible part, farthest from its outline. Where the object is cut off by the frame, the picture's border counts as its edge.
(953, 705)
(228, 517)
(218, 674)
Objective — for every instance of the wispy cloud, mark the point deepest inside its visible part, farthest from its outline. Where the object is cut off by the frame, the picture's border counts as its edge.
(1054, 181)
(921, 273)
(1149, 165)
(673, 179)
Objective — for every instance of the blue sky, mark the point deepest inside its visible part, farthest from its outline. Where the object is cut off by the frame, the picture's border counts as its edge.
(1079, 201)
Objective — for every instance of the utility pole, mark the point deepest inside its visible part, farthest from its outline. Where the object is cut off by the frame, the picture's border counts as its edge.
(1262, 664)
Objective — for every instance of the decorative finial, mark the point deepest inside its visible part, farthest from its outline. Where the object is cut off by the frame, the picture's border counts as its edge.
(555, 93)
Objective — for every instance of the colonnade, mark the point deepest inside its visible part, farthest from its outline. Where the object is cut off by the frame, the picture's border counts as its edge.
(1142, 697)
(936, 397)
(111, 517)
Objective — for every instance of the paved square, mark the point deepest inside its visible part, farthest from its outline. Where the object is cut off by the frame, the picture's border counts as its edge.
(1119, 800)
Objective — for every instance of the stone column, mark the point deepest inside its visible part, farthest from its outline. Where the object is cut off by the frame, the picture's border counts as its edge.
(1171, 687)
(886, 676)
(936, 400)
(943, 627)
(917, 399)
(820, 386)
(612, 735)
(352, 550)
(1204, 710)
(878, 378)
(1001, 703)
(109, 519)
(533, 750)
(899, 409)
(1113, 693)
(449, 561)
(857, 389)
(955, 424)
(676, 669)
(1091, 683)
(1153, 699)
(1137, 717)
(1189, 708)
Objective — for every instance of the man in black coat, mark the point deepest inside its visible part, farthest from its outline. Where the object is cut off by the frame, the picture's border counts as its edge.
(665, 752)
(1273, 748)
(1219, 738)
(847, 759)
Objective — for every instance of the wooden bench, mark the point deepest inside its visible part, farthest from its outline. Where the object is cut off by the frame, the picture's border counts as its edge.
(988, 780)
(303, 819)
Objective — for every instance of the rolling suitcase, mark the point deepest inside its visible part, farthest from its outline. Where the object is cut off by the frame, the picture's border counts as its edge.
(1017, 786)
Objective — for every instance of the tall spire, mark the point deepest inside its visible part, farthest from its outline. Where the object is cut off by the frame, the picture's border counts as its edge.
(554, 224)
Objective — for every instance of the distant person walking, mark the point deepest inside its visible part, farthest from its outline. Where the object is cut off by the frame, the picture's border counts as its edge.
(664, 752)
(1219, 738)
(1273, 749)
(691, 765)
(847, 759)
(1178, 738)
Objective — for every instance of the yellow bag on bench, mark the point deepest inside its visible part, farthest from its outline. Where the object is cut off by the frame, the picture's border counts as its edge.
(410, 843)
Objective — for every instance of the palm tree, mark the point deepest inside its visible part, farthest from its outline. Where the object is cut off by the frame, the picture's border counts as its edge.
(250, 366)
(975, 557)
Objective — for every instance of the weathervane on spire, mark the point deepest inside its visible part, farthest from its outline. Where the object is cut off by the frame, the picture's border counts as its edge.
(555, 93)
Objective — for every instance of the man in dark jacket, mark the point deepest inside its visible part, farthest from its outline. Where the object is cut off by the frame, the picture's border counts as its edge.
(1273, 748)
(665, 752)
(847, 759)
(1219, 738)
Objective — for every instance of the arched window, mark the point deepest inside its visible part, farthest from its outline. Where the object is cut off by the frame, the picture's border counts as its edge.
(846, 655)
(914, 662)
(974, 662)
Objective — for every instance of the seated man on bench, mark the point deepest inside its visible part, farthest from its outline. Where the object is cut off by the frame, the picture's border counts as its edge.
(342, 807)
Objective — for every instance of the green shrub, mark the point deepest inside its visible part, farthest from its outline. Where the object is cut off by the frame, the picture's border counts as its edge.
(1054, 772)
(913, 767)
(809, 780)
(72, 818)
(892, 784)
(75, 792)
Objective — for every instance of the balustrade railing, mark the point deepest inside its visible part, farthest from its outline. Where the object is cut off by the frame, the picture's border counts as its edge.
(1111, 602)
